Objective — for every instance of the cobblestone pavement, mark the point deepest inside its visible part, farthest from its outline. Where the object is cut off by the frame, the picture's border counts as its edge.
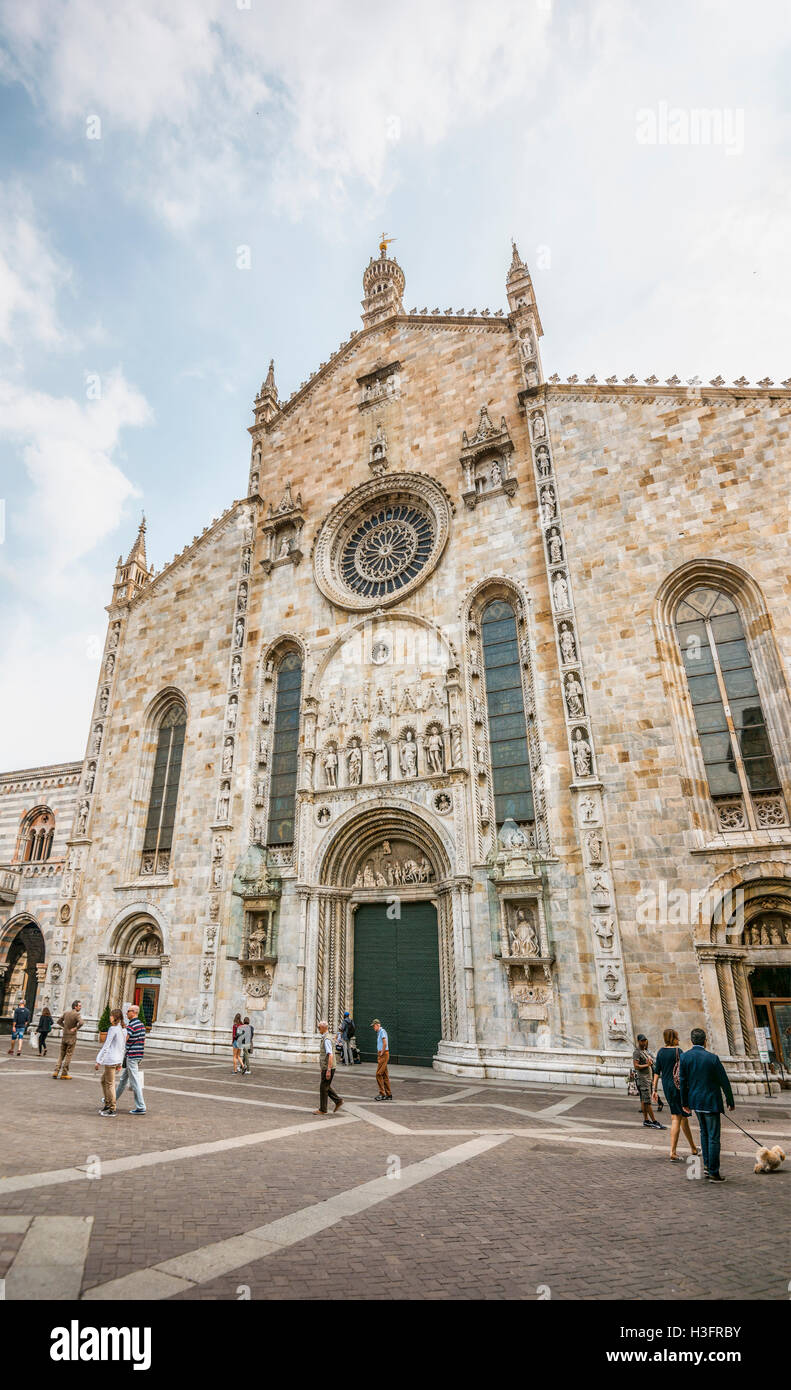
(230, 1187)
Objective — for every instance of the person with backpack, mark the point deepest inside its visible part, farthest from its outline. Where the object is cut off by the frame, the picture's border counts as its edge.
(666, 1068)
(44, 1028)
(642, 1066)
(19, 1022)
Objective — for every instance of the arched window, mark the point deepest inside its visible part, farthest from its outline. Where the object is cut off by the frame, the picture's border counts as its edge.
(158, 840)
(283, 784)
(512, 784)
(734, 741)
(38, 830)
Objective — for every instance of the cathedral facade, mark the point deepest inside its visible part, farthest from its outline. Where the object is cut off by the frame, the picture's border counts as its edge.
(471, 715)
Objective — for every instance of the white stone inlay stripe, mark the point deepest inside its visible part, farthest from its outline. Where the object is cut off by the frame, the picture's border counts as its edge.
(209, 1262)
(50, 1260)
(25, 1181)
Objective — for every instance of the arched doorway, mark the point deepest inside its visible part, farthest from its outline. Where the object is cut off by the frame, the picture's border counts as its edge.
(134, 966)
(385, 934)
(21, 966)
(767, 934)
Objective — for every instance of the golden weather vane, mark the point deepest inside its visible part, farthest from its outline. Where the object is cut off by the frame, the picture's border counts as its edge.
(385, 242)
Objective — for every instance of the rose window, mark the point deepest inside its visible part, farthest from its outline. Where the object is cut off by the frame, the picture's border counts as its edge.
(387, 550)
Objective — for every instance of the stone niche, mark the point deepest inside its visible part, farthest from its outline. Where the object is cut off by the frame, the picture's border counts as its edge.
(255, 904)
(523, 938)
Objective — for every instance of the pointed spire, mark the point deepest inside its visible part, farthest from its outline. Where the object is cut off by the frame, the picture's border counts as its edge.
(269, 387)
(137, 555)
(267, 405)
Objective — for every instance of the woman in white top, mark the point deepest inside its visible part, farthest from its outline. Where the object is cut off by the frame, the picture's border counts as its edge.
(109, 1058)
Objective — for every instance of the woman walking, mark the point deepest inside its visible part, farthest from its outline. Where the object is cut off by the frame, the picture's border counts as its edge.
(44, 1028)
(109, 1058)
(643, 1064)
(666, 1067)
(237, 1051)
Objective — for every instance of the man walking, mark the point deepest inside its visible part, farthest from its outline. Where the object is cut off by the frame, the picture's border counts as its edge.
(702, 1080)
(71, 1022)
(327, 1071)
(382, 1059)
(135, 1043)
(19, 1022)
(244, 1041)
(348, 1031)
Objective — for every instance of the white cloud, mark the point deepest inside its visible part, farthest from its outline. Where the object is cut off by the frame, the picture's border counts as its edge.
(78, 491)
(30, 276)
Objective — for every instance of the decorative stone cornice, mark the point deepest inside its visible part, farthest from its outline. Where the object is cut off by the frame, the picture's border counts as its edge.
(630, 391)
(40, 778)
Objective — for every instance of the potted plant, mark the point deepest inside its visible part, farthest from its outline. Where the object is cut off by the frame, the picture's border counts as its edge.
(104, 1023)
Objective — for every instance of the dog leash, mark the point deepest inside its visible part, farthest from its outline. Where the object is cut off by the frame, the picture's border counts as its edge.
(759, 1142)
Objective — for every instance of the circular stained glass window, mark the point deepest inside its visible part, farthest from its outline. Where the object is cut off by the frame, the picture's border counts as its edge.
(387, 550)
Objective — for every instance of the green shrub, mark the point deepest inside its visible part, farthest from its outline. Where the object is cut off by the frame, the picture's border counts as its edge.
(104, 1021)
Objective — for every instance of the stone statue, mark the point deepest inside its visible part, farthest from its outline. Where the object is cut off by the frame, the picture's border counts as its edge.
(407, 755)
(242, 602)
(480, 758)
(219, 847)
(227, 755)
(379, 755)
(233, 710)
(263, 749)
(555, 548)
(588, 808)
(574, 697)
(285, 547)
(568, 647)
(90, 777)
(256, 941)
(581, 750)
(605, 931)
(330, 765)
(82, 819)
(355, 766)
(539, 428)
(104, 700)
(266, 711)
(224, 804)
(434, 752)
(496, 474)
(236, 672)
(239, 632)
(97, 738)
(542, 463)
(547, 500)
(246, 562)
(560, 592)
(594, 843)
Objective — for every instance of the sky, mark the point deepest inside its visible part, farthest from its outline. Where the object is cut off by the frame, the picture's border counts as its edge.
(189, 189)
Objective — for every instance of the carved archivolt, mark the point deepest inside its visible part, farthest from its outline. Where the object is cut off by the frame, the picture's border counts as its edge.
(381, 836)
(381, 541)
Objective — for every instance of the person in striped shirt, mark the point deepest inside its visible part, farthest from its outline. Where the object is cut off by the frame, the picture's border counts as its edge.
(135, 1043)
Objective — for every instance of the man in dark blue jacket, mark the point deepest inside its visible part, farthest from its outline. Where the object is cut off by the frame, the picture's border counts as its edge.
(702, 1080)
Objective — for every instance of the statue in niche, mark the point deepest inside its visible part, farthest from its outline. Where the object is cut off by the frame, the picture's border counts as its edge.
(542, 462)
(256, 941)
(560, 592)
(568, 647)
(574, 701)
(109, 665)
(582, 753)
(407, 755)
(477, 709)
(555, 548)
(227, 755)
(97, 738)
(595, 844)
(233, 710)
(236, 672)
(263, 750)
(434, 752)
(547, 501)
(217, 876)
(246, 562)
(114, 634)
(258, 832)
(496, 474)
(475, 669)
(82, 819)
(214, 909)
(253, 484)
(260, 792)
(266, 711)
(588, 808)
(90, 777)
(379, 756)
(242, 601)
(269, 670)
(355, 766)
(524, 937)
(539, 428)
(285, 547)
(224, 803)
(480, 758)
(219, 847)
(104, 700)
(605, 931)
(330, 765)
(239, 632)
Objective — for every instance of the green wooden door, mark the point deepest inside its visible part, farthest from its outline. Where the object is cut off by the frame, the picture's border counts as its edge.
(396, 979)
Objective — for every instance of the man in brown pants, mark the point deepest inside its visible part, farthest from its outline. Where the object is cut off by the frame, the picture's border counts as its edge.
(327, 1072)
(71, 1023)
(382, 1059)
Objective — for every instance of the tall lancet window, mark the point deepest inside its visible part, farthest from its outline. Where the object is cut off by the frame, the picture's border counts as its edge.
(285, 754)
(732, 733)
(158, 840)
(513, 789)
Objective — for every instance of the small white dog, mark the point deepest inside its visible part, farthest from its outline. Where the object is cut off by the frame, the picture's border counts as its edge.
(767, 1160)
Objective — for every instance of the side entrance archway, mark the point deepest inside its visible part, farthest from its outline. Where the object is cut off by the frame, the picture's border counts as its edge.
(21, 967)
(396, 979)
